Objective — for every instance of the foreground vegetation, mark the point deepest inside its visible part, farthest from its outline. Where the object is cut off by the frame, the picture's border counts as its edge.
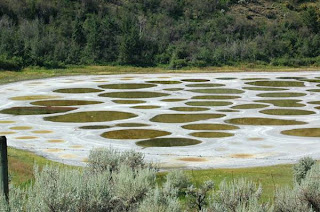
(21, 165)
(115, 181)
(173, 33)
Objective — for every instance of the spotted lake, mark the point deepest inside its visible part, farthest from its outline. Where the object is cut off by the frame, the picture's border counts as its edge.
(176, 120)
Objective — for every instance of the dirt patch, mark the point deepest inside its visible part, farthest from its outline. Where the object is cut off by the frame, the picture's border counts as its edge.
(56, 141)
(193, 159)
(242, 155)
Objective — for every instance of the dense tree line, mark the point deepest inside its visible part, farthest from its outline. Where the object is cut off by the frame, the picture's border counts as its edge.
(176, 33)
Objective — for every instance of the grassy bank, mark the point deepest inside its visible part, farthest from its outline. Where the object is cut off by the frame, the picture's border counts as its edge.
(39, 73)
(21, 165)
(270, 177)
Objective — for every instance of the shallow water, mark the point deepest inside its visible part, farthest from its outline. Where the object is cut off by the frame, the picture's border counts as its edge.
(283, 103)
(36, 110)
(216, 97)
(287, 112)
(164, 82)
(65, 102)
(189, 109)
(128, 101)
(249, 106)
(283, 94)
(277, 83)
(211, 134)
(210, 127)
(134, 134)
(146, 107)
(218, 91)
(184, 118)
(134, 95)
(205, 85)
(263, 89)
(303, 132)
(263, 121)
(127, 86)
(209, 103)
(33, 97)
(168, 142)
(77, 90)
(91, 116)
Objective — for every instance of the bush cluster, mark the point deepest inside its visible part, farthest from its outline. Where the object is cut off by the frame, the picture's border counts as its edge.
(123, 181)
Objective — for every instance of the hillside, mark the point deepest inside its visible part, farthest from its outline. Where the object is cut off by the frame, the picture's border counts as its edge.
(173, 33)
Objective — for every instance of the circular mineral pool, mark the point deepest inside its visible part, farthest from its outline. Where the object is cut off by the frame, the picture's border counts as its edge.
(134, 134)
(263, 121)
(303, 132)
(91, 116)
(168, 142)
(134, 94)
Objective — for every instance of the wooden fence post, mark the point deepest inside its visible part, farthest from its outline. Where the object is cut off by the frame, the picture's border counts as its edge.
(4, 181)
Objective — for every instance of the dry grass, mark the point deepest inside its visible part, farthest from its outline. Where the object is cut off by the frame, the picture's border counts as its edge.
(21, 165)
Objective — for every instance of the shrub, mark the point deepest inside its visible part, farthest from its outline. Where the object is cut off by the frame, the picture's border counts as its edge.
(301, 168)
(58, 189)
(163, 199)
(237, 195)
(178, 179)
(286, 199)
(198, 197)
(91, 189)
(309, 189)
(110, 159)
(304, 196)
(10, 64)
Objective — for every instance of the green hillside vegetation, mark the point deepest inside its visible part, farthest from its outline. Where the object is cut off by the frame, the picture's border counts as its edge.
(169, 33)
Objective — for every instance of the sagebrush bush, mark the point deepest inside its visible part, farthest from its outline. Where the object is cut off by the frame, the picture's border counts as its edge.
(197, 198)
(286, 199)
(178, 179)
(116, 184)
(302, 167)
(110, 159)
(302, 197)
(309, 189)
(163, 199)
(236, 195)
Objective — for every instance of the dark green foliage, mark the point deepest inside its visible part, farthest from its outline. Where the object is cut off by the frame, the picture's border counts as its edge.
(14, 63)
(175, 33)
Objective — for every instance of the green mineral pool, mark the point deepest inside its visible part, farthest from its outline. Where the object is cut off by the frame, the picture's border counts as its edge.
(91, 116)
(168, 142)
